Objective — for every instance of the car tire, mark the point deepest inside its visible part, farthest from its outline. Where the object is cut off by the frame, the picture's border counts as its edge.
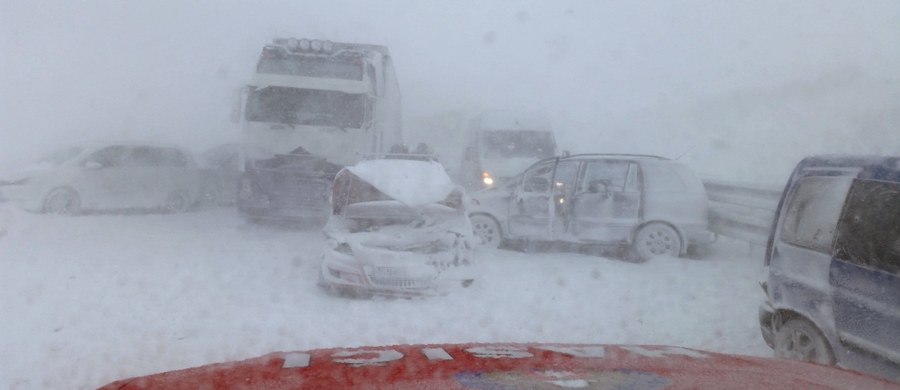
(799, 339)
(63, 201)
(656, 240)
(487, 230)
(177, 202)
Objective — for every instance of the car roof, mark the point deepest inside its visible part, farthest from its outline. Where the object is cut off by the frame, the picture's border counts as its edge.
(885, 168)
(615, 156)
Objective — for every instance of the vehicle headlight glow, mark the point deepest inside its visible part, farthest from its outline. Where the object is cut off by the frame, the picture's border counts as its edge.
(486, 178)
(303, 44)
(328, 46)
(316, 45)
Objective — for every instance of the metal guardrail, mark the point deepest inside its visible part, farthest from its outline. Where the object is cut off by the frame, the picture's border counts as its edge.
(741, 211)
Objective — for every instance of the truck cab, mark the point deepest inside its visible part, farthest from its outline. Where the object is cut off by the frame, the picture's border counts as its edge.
(311, 107)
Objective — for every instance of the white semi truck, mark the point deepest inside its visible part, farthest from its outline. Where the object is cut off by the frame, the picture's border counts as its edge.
(311, 107)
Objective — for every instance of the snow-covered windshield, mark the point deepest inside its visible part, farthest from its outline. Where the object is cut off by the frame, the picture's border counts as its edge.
(250, 177)
(309, 107)
(378, 215)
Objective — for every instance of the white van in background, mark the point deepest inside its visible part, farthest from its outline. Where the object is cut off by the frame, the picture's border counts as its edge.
(501, 144)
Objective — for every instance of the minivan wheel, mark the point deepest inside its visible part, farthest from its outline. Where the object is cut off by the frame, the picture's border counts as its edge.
(799, 339)
(63, 201)
(656, 240)
(486, 230)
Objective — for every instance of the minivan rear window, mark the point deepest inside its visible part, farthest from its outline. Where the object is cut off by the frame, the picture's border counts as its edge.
(813, 212)
(869, 229)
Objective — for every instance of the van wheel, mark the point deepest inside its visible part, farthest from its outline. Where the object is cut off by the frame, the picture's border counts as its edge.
(177, 202)
(656, 240)
(486, 230)
(63, 201)
(799, 339)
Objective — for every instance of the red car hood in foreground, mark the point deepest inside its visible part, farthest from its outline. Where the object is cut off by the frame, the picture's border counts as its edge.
(508, 366)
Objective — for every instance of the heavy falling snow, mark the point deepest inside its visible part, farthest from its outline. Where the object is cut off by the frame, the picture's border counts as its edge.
(738, 92)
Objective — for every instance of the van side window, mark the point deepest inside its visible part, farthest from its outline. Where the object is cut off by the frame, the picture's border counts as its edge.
(813, 212)
(611, 175)
(663, 178)
(538, 178)
(869, 229)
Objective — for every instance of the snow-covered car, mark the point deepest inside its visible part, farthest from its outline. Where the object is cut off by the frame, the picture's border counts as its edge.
(653, 205)
(398, 227)
(109, 176)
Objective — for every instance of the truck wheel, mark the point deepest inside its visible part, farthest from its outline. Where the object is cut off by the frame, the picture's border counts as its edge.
(486, 230)
(799, 339)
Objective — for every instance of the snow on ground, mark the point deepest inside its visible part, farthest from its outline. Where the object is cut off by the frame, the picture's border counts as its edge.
(87, 300)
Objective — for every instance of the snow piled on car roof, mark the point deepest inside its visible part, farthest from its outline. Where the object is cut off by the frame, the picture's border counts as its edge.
(412, 182)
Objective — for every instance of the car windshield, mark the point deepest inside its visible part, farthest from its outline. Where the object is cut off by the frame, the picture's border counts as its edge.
(517, 143)
(243, 179)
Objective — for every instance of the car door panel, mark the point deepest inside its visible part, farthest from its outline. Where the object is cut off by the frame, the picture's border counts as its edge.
(865, 272)
(530, 204)
(607, 203)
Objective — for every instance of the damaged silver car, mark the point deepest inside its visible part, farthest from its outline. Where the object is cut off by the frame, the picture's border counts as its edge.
(398, 227)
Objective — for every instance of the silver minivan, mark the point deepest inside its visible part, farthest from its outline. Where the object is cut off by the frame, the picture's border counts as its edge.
(653, 205)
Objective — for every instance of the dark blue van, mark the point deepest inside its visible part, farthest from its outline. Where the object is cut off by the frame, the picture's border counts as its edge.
(833, 291)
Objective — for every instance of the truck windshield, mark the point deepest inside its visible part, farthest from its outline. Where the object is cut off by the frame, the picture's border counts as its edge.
(517, 143)
(324, 67)
(311, 107)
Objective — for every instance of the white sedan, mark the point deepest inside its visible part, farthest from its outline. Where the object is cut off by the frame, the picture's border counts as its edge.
(106, 177)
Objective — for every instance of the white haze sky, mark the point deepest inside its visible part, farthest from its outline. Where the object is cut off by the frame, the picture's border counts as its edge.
(714, 79)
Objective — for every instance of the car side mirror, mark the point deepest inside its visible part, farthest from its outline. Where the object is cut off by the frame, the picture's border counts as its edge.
(93, 165)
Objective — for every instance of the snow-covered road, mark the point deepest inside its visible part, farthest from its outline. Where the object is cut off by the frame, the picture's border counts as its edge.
(86, 300)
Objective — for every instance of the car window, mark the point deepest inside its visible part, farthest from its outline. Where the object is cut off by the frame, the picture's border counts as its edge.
(812, 213)
(173, 158)
(537, 179)
(566, 176)
(110, 157)
(869, 229)
(143, 156)
(611, 173)
(663, 177)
